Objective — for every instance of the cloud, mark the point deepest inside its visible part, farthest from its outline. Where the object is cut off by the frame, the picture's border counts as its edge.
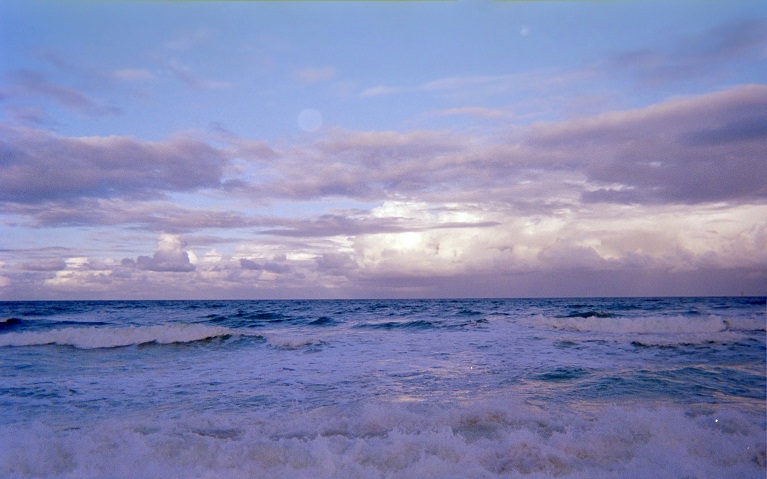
(40, 166)
(711, 52)
(44, 265)
(336, 263)
(157, 216)
(700, 149)
(482, 86)
(360, 165)
(29, 114)
(691, 150)
(637, 246)
(474, 111)
(169, 257)
(29, 83)
(381, 90)
(82, 274)
(270, 266)
(656, 192)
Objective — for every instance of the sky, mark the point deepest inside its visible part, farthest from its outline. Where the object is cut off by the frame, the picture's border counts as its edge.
(473, 148)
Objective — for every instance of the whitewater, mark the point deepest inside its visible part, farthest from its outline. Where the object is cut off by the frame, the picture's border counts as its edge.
(480, 388)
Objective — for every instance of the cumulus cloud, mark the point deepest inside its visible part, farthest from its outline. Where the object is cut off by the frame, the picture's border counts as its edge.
(499, 250)
(169, 257)
(81, 273)
(270, 266)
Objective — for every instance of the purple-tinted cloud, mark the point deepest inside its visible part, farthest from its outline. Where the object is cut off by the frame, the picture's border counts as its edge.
(702, 149)
(26, 83)
(269, 266)
(30, 115)
(44, 265)
(710, 52)
(337, 264)
(169, 257)
(691, 150)
(39, 166)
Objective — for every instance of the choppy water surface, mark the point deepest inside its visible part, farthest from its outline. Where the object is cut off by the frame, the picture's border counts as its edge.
(649, 387)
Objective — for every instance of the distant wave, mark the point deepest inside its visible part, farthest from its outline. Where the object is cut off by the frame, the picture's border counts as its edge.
(416, 324)
(94, 338)
(650, 325)
(589, 314)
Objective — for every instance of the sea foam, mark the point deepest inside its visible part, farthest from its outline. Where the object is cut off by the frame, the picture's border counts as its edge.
(112, 337)
(377, 440)
(658, 324)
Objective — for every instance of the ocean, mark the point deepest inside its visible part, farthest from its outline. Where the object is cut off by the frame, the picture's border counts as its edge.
(485, 388)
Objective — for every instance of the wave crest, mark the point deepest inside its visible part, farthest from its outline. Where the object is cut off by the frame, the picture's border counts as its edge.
(656, 325)
(95, 338)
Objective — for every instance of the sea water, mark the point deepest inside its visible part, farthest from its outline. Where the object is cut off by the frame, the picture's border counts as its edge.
(571, 388)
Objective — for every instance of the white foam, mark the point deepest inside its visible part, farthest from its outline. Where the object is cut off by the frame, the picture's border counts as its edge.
(397, 441)
(111, 337)
(676, 324)
(293, 341)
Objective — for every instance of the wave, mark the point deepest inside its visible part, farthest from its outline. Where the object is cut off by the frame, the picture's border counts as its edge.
(415, 324)
(323, 321)
(370, 440)
(589, 314)
(650, 325)
(113, 337)
(293, 341)
(10, 323)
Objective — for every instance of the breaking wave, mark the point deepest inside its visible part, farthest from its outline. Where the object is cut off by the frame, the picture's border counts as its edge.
(114, 337)
(374, 440)
(650, 325)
